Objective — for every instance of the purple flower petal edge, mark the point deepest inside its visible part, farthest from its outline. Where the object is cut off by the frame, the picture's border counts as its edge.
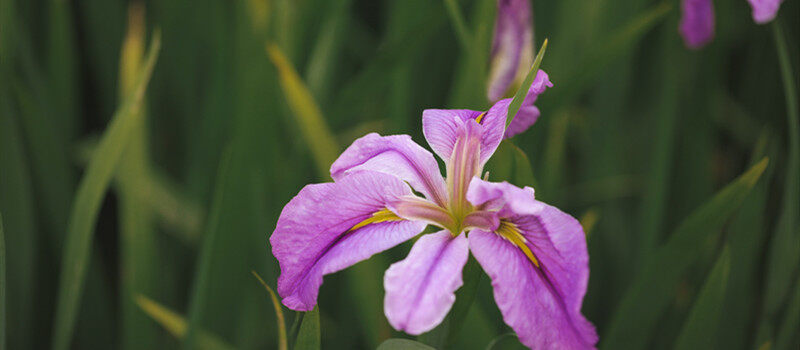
(697, 22)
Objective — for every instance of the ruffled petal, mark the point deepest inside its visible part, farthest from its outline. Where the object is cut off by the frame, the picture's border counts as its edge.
(397, 155)
(697, 22)
(764, 10)
(420, 289)
(532, 301)
(314, 234)
(512, 47)
(540, 295)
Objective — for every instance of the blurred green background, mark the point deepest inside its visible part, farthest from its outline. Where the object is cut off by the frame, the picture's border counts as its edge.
(133, 211)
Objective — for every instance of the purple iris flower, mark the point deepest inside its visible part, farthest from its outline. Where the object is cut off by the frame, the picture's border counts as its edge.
(697, 22)
(512, 47)
(387, 189)
(697, 19)
(764, 10)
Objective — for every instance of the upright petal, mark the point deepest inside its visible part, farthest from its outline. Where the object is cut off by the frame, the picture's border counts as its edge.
(441, 128)
(420, 289)
(507, 199)
(697, 22)
(397, 155)
(315, 236)
(512, 47)
(764, 10)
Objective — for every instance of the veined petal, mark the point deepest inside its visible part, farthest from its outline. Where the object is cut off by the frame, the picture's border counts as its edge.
(440, 127)
(697, 22)
(538, 263)
(315, 236)
(463, 165)
(420, 289)
(534, 303)
(397, 155)
(512, 47)
(764, 10)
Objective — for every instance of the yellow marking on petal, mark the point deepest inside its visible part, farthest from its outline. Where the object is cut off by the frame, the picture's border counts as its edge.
(480, 118)
(382, 215)
(510, 232)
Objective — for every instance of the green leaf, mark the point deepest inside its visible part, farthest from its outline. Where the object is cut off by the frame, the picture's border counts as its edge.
(2, 286)
(652, 289)
(791, 320)
(519, 97)
(175, 324)
(784, 252)
(315, 131)
(403, 344)
(701, 326)
(282, 343)
(86, 205)
(308, 337)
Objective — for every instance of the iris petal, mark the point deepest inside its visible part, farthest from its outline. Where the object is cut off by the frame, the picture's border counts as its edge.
(420, 289)
(397, 155)
(319, 231)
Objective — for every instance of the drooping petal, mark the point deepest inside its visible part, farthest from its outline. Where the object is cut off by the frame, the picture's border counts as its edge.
(314, 234)
(697, 22)
(527, 114)
(397, 155)
(533, 301)
(764, 10)
(540, 277)
(512, 47)
(420, 289)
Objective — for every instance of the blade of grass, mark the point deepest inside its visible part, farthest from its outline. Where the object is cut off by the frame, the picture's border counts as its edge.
(746, 238)
(701, 325)
(87, 202)
(175, 324)
(312, 125)
(791, 321)
(2, 286)
(652, 288)
(139, 260)
(17, 206)
(308, 337)
(282, 343)
(522, 92)
(457, 19)
(784, 253)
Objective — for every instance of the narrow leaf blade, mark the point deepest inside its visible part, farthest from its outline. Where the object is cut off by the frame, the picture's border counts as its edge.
(651, 290)
(308, 337)
(519, 97)
(701, 325)
(86, 205)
